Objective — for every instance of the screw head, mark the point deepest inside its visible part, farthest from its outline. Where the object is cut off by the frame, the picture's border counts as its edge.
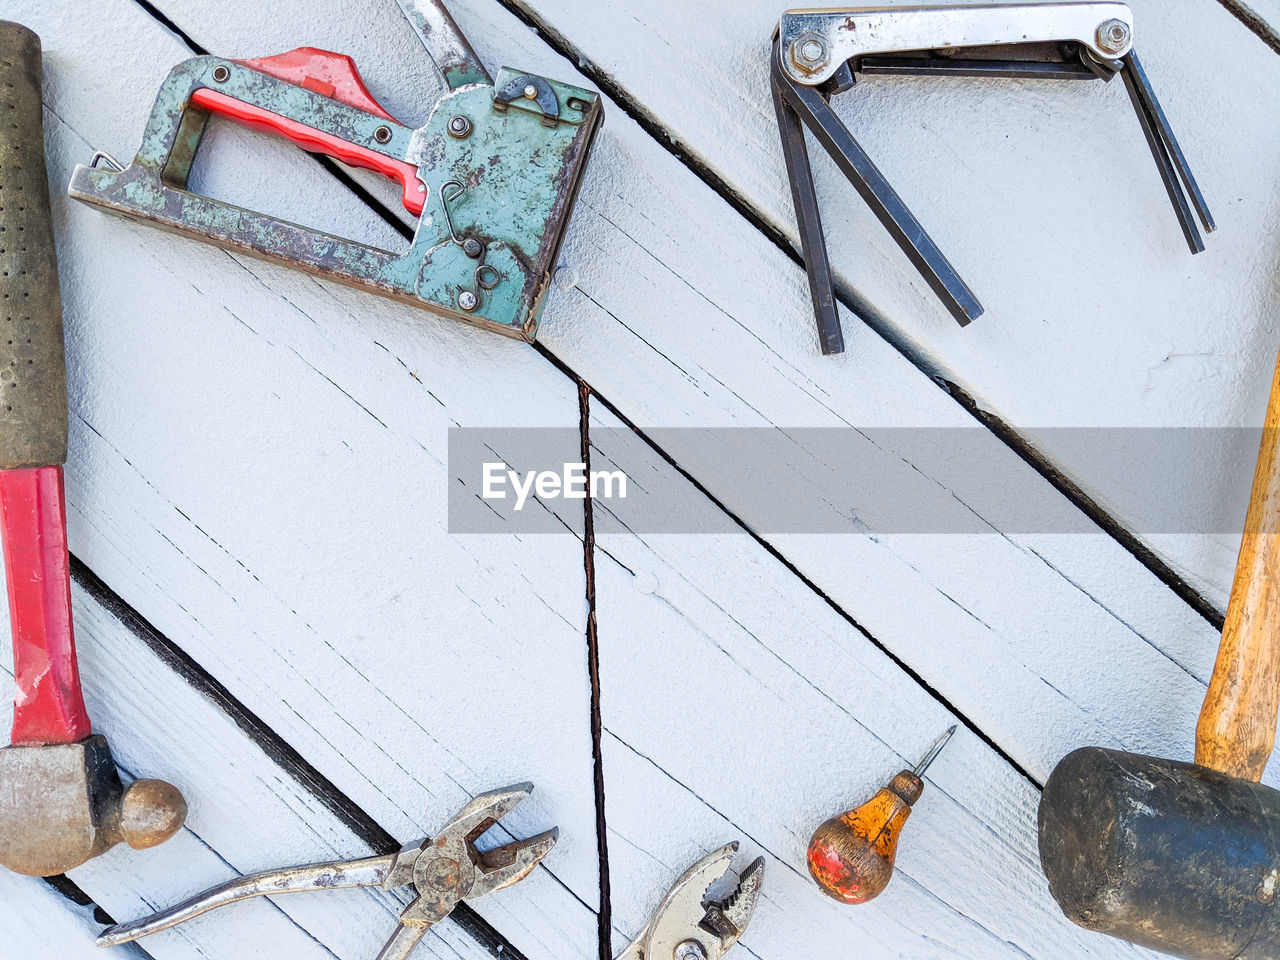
(468, 301)
(221, 74)
(382, 134)
(1114, 35)
(472, 247)
(459, 127)
(689, 950)
(809, 51)
(531, 92)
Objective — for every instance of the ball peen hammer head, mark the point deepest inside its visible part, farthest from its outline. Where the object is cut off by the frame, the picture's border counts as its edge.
(1168, 855)
(62, 804)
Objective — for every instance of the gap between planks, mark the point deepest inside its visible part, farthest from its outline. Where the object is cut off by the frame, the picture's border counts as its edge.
(593, 670)
(273, 745)
(652, 125)
(1006, 433)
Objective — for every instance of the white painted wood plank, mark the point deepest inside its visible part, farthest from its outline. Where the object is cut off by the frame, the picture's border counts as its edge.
(258, 464)
(37, 922)
(765, 713)
(1045, 199)
(941, 603)
(187, 581)
(715, 352)
(246, 814)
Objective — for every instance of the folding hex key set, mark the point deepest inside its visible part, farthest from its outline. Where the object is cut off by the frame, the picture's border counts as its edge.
(818, 53)
(492, 175)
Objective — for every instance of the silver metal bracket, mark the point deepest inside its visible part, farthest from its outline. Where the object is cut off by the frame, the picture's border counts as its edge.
(816, 42)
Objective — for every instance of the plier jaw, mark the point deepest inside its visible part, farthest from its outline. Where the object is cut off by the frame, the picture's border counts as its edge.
(690, 925)
(448, 869)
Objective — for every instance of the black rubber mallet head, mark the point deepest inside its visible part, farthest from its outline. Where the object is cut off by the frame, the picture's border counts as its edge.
(1179, 857)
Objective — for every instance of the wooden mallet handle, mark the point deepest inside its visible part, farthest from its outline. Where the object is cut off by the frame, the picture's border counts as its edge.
(1237, 727)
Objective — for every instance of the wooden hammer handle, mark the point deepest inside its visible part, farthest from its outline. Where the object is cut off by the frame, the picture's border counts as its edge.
(1237, 727)
(33, 375)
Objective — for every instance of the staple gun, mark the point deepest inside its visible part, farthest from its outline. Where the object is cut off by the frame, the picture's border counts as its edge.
(492, 175)
(818, 53)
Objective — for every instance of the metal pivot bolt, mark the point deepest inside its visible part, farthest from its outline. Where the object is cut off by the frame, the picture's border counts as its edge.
(689, 950)
(809, 51)
(460, 127)
(468, 301)
(531, 92)
(1114, 35)
(472, 247)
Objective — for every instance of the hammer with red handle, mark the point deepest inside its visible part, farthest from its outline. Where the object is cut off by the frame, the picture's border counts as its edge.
(61, 799)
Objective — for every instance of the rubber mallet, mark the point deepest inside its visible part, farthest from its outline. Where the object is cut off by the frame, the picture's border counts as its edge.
(1184, 857)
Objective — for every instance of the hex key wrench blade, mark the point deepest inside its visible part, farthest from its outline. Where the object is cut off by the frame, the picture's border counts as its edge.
(812, 108)
(813, 243)
(998, 69)
(1163, 163)
(1143, 89)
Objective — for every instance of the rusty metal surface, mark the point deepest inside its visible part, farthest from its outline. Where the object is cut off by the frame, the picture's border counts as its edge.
(33, 376)
(497, 197)
(63, 804)
(443, 871)
(445, 43)
(59, 805)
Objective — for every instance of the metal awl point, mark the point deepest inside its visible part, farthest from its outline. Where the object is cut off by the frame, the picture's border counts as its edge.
(936, 749)
(818, 53)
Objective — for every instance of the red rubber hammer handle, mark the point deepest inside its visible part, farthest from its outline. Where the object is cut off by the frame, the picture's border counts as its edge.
(48, 705)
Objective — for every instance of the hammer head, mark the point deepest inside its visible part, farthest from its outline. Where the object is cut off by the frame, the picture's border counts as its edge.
(1167, 855)
(62, 804)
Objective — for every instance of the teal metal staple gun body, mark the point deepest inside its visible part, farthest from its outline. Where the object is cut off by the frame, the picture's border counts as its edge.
(492, 175)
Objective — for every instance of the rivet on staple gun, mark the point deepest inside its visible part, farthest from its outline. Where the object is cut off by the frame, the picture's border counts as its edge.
(442, 871)
(817, 53)
(492, 175)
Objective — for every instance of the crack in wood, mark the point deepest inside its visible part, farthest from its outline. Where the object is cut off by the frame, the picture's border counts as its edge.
(593, 669)
(1007, 434)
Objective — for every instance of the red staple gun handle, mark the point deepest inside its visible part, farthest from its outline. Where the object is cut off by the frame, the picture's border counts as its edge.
(331, 75)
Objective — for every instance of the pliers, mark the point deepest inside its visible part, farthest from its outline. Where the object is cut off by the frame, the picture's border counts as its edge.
(443, 871)
(689, 926)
